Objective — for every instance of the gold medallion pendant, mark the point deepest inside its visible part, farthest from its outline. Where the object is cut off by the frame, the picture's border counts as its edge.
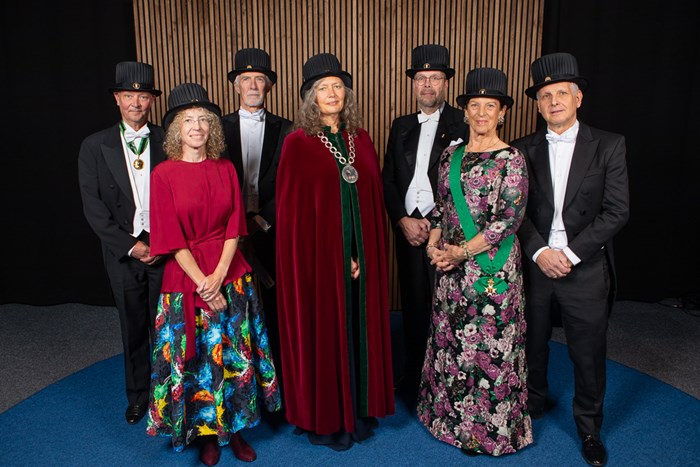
(138, 164)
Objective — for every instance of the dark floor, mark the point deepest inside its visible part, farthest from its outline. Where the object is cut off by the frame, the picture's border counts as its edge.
(40, 345)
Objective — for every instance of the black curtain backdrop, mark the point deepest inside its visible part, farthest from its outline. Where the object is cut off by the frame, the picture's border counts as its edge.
(58, 60)
(643, 63)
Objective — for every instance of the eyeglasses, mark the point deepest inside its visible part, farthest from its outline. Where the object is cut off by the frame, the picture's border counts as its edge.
(189, 121)
(433, 79)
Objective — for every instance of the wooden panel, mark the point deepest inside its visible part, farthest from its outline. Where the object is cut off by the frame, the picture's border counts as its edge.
(195, 41)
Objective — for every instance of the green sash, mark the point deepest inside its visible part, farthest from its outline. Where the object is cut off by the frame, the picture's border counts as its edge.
(488, 282)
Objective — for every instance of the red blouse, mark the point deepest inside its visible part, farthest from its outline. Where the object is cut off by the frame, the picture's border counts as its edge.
(196, 206)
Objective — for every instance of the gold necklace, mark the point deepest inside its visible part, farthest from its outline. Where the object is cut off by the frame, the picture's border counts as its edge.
(490, 145)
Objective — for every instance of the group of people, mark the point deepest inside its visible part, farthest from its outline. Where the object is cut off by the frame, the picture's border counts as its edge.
(247, 255)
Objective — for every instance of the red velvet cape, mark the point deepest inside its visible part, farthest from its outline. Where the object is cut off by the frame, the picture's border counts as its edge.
(311, 285)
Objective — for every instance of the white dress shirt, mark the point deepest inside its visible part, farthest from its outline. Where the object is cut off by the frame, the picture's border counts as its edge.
(139, 180)
(561, 152)
(252, 136)
(420, 191)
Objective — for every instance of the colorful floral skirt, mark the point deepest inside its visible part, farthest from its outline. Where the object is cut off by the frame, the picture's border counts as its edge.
(218, 391)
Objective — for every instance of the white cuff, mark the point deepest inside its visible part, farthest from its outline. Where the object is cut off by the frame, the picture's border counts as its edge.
(571, 255)
(538, 253)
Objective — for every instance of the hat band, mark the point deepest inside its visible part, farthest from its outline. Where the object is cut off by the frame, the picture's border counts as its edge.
(135, 85)
(559, 77)
(251, 67)
(485, 92)
(430, 66)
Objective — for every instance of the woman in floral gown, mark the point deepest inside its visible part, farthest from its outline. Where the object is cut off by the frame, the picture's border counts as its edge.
(211, 359)
(473, 391)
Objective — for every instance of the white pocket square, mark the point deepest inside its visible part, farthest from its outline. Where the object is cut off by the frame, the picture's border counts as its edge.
(455, 143)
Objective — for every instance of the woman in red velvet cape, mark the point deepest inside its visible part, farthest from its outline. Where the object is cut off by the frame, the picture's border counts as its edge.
(331, 267)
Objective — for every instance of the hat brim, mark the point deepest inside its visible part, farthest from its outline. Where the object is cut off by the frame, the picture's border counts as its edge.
(155, 92)
(449, 72)
(580, 81)
(170, 114)
(269, 73)
(344, 75)
(504, 100)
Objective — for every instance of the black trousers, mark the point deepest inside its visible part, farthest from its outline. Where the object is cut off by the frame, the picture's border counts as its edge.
(135, 288)
(417, 282)
(263, 248)
(582, 299)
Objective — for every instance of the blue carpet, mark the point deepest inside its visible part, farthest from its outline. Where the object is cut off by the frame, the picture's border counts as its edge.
(78, 421)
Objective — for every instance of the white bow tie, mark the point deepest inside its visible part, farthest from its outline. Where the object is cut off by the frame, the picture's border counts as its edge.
(562, 138)
(422, 117)
(130, 135)
(258, 115)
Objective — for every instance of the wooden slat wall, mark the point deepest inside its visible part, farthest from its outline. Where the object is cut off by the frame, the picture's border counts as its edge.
(195, 41)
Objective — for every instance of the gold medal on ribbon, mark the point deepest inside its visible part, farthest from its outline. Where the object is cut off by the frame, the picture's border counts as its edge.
(138, 164)
(491, 290)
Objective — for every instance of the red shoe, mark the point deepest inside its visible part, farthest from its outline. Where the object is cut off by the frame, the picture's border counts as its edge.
(241, 449)
(209, 451)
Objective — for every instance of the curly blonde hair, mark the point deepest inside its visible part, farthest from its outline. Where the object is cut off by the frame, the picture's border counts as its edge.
(309, 115)
(173, 137)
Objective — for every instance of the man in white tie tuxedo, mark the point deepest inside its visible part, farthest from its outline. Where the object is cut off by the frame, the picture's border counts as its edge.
(410, 182)
(578, 201)
(114, 167)
(254, 138)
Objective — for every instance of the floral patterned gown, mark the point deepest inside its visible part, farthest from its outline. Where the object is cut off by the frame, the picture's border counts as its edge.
(473, 391)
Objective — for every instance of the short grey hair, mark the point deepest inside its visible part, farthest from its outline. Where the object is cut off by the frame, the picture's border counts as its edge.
(268, 81)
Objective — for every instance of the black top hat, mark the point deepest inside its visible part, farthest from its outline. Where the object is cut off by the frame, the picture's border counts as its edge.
(134, 76)
(321, 66)
(430, 57)
(184, 96)
(252, 60)
(486, 82)
(554, 68)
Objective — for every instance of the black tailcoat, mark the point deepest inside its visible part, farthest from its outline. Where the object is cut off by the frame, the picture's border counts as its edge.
(259, 249)
(276, 128)
(596, 207)
(109, 207)
(416, 275)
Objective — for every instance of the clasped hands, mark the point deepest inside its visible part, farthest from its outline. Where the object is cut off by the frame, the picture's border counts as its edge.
(554, 263)
(416, 231)
(142, 252)
(209, 289)
(447, 258)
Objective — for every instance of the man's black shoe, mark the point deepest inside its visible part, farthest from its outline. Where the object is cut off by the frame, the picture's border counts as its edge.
(134, 413)
(538, 412)
(593, 450)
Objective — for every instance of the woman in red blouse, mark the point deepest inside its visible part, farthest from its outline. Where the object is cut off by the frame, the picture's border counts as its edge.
(211, 360)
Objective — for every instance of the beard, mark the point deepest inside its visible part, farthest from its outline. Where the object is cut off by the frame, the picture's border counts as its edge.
(254, 100)
(431, 100)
